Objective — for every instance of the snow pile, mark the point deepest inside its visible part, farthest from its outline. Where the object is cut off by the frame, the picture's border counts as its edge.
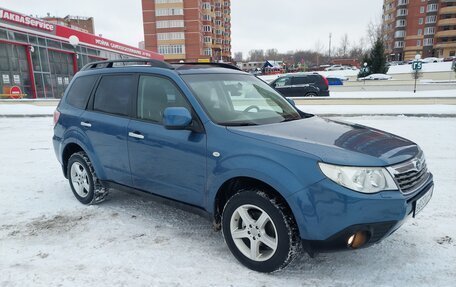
(427, 67)
(435, 110)
(47, 238)
(394, 94)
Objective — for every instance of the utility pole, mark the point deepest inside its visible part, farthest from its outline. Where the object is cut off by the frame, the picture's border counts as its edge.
(330, 35)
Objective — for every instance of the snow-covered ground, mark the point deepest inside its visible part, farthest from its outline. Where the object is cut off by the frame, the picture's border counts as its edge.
(394, 94)
(427, 67)
(48, 239)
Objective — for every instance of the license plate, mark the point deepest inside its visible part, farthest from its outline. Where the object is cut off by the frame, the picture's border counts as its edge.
(423, 201)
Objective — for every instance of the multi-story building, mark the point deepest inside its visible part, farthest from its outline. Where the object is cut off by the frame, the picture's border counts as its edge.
(426, 27)
(83, 24)
(188, 30)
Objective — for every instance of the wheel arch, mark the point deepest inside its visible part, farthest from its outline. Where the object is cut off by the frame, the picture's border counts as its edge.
(239, 184)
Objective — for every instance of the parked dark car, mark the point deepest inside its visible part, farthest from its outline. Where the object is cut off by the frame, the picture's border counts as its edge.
(302, 85)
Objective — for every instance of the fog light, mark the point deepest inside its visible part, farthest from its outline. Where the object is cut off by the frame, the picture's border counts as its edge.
(357, 240)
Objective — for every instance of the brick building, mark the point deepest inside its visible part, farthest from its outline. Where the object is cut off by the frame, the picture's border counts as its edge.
(83, 24)
(188, 30)
(426, 27)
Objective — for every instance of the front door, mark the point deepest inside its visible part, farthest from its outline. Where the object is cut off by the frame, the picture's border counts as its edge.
(171, 163)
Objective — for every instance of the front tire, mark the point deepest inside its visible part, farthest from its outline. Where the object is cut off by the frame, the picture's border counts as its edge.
(83, 181)
(311, 95)
(259, 231)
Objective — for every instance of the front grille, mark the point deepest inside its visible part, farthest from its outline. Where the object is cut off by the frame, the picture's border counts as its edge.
(411, 175)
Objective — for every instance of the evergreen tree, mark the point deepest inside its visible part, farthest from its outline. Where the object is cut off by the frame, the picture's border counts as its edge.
(377, 58)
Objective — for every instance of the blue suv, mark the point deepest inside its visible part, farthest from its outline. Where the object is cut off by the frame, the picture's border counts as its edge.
(274, 179)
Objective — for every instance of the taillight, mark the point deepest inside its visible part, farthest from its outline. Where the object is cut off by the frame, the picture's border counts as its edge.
(326, 81)
(56, 116)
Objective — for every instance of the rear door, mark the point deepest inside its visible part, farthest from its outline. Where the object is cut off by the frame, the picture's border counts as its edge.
(105, 124)
(171, 163)
(283, 86)
(300, 86)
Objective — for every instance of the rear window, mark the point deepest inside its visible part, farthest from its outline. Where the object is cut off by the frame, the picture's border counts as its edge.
(301, 80)
(80, 90)
(114, 93)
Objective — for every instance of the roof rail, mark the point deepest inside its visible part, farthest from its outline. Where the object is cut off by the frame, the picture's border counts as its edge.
(110, 64)
(219, 65)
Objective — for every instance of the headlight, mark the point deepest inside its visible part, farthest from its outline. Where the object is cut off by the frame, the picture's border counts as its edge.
(362, 179)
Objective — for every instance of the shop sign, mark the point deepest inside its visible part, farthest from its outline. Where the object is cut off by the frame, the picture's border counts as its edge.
(6, 79)
(17, 79)
(20, 19)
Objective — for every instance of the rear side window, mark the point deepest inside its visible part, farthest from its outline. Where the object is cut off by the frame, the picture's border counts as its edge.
(317, 79)
(300, 80)
(114, 93)
(80, 90)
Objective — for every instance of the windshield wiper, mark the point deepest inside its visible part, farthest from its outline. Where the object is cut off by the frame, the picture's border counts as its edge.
(244, 124)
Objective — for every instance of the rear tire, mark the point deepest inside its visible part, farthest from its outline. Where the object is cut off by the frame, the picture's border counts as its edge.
(259, 231)
(83, 181)
(311, 95)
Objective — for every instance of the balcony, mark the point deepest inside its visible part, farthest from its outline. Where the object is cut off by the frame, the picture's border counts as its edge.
(448, 10)
(447, 22)
(444, 45)
(443, 34)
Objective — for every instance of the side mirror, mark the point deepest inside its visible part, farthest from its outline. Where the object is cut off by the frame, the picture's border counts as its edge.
(291, 101)
(176, 118)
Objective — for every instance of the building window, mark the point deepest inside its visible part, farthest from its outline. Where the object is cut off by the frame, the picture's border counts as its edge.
(399, 34)
(207, 52)
(402, 2)
(218, 22)
(420, 21)
(429, 31)
(207, 17)
(420, 32)
(399, 44)
(428, 42)
(171, 49)
(422, 10)
(431, 19)
(432, 7)
(402, 12)
(401, 23)
(169, 12)
(207, 28)
(171, 36)
(170, 24)
(207, 39)
(206, 5)
(418, 43)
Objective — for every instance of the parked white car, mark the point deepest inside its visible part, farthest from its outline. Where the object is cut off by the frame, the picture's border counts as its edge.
(335, 68)
(432, 60)
(376, 77)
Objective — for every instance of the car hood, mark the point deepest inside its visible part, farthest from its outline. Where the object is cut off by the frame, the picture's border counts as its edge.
(335, 142)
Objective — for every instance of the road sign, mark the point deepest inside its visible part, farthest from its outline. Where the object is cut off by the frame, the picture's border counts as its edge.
(417, 65)
(365, 70)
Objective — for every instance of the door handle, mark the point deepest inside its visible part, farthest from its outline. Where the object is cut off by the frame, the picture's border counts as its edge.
(136, 135)
(86, 124)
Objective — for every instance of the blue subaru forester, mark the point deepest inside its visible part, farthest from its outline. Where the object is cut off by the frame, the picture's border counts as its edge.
(220, 141)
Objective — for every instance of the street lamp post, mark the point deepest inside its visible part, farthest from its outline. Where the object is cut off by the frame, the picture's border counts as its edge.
(364, 72)
(74, 41)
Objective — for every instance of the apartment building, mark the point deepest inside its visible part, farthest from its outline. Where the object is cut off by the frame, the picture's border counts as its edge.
(426, 27)
(188, 30)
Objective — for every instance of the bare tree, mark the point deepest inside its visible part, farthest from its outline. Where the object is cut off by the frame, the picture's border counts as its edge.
(272, 54)
(344, 46)
(256, 55)
(238, 57)
(374, 31)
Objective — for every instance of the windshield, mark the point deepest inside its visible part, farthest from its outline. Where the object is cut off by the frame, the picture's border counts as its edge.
(236, 99)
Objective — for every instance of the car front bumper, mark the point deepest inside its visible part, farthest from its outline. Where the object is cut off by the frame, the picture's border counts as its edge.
(328, 214)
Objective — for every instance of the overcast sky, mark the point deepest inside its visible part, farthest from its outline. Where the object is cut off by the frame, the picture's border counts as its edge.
(256, 24)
